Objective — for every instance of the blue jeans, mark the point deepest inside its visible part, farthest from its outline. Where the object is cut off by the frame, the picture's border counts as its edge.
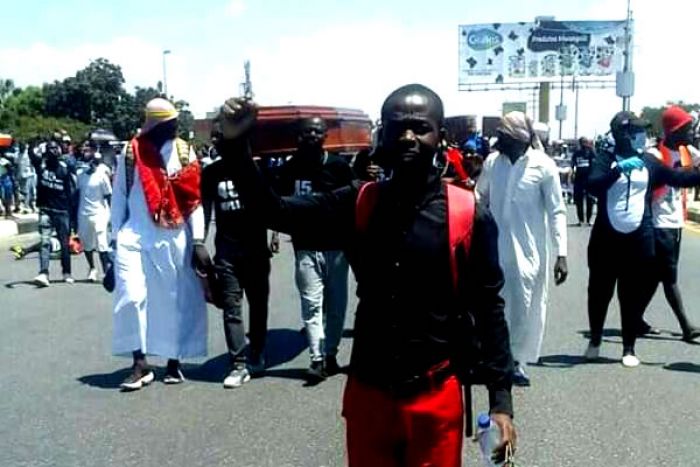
(322, 280)
(49, 220)
(28, 190)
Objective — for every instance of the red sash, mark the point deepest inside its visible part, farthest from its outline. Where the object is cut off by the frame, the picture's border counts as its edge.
(170, 199)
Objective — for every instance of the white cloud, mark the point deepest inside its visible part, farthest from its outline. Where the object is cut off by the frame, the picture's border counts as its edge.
(235, 8)
(40, 62)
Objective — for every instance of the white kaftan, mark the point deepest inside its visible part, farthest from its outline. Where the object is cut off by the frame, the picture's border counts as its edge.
(526, 201)
(159, 305)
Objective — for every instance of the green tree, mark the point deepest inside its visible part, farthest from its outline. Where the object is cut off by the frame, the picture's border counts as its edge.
(26, 102)
(7, 89)
(91, 96)
(185, 120)
(94, 98)
(26, 128)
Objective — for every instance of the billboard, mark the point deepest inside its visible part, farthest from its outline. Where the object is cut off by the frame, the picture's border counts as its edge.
(544, 51)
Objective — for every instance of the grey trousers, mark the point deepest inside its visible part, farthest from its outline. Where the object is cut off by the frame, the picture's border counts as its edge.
(322, 280)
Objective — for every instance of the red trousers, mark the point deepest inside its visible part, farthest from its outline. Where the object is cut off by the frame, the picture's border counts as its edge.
(421, 431)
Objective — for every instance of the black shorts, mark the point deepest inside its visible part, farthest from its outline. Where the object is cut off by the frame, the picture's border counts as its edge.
(668, 248)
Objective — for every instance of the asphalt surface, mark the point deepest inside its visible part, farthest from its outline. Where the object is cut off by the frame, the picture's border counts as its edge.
(60, 404)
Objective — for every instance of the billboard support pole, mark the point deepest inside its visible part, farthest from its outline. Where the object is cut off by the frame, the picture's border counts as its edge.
(543, 113)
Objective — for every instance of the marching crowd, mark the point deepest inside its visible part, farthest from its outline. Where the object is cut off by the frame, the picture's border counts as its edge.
(452, 253)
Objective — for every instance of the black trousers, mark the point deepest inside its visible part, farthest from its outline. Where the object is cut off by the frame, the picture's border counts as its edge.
(582, 196)
(238, 275)
(625, 261)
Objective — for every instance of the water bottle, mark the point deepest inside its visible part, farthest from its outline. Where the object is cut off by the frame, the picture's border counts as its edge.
(488, 434)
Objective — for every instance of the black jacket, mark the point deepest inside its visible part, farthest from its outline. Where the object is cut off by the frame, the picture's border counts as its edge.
(404, 319)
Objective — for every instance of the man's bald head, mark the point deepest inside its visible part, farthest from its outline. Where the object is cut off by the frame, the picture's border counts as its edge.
(311, 135)
(413, 100)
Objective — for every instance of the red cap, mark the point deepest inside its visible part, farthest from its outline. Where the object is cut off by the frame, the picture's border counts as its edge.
(674, 118)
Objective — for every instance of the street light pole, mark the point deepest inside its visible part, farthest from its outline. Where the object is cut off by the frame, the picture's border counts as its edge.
(165, 78)
(627, 68)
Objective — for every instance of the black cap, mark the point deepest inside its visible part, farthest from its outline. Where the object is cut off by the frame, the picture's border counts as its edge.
(625, 120)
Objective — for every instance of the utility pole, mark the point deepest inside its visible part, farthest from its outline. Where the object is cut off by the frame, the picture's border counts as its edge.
(627, 69)
(575, 85)
(165, 78)
(247, 85)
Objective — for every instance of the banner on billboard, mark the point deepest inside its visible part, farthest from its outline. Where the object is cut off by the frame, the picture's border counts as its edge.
(544, 51)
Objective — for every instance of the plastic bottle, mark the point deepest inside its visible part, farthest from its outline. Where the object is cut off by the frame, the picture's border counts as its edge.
(488, 434)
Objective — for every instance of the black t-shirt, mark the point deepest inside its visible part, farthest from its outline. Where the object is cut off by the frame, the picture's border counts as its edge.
(582, 161)
(243, 233)
(300, 177)
(55, 185)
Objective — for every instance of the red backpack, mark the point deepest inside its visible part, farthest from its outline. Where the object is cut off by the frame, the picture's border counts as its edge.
(460, 217)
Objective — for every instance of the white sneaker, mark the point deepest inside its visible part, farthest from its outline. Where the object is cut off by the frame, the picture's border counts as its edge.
(68, 279)
(137, 380)
(592, 352)
(92, 275)
(630, 361)
(42, 280)
(237, 378)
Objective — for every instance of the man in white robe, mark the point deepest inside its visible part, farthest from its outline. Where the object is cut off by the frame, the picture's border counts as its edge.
(158, 227)
(520, 185)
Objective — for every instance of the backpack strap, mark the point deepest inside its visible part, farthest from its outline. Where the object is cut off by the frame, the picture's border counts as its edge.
(461, 205)
(364, 205)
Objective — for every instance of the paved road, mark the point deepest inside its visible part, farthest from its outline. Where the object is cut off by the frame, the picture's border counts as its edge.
(59, 404)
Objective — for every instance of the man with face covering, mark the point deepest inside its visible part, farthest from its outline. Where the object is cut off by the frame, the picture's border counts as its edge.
(55, 196)
(668, 207)
(158, 227)
(402, 402)
(621, 248)
(521, 186)
(320, 267)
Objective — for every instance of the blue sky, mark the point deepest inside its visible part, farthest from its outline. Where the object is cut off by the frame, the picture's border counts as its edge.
(349, 53)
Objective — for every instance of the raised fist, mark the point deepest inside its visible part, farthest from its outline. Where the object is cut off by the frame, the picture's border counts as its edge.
(236, 117)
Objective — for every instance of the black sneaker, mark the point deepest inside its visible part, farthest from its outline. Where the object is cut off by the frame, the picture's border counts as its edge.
(331, 366)
(645, 329)
(141, 376)
(316, 373)
(256, 364)
(690, 334)
(520, 378)
(173, 375)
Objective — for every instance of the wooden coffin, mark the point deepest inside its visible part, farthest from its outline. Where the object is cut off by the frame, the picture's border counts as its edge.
(349, 130)
(5, 140)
